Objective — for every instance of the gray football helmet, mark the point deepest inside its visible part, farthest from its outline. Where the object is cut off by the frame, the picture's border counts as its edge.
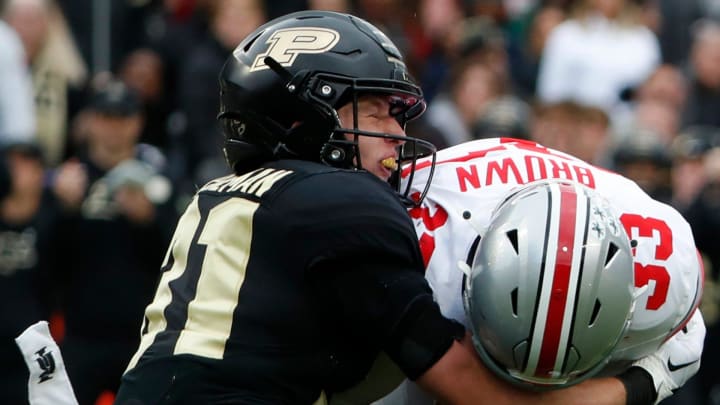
(550, 289)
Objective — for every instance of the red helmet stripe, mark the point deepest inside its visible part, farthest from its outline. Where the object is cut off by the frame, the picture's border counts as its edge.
(559, 295)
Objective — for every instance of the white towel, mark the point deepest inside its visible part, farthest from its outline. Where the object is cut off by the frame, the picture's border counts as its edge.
(48, 383)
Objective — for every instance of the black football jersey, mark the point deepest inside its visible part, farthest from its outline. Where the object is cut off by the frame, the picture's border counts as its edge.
(240, 285)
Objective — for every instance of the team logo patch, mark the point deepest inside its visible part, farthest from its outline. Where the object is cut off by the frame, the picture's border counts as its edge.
(287, 44)
(46, 362)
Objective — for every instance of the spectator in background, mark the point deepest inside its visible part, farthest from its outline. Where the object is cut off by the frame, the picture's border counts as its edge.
(57, 68)
(656, 104)
(460, 61)
(674, 34)
(688, 172)
(697, 199)
(30, 227)
(119, 206)
(525, 53)
(481, 39)
(595, 55)
(573, 128)
(593, 141)
(17, 111)
(432, 40)
(173, 28)
(642, 157)
(143, 71)
(506, 116)
(703, 214)
(554, 124)
(703, 102)
(105, 31)
(658, 117)
(666, 84)
(198, 88)
(471, 86)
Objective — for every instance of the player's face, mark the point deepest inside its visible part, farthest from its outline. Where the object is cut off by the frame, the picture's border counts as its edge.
(377, 155)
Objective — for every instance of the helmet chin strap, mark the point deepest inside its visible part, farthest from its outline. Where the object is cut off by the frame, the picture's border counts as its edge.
(339, 151)
(293, 83)
(281, 71)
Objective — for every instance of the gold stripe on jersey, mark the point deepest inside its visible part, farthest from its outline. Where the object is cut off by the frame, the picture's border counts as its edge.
(227, 235)
(179, 248)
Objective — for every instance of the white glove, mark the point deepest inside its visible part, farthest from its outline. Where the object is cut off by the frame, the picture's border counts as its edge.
(677, 360)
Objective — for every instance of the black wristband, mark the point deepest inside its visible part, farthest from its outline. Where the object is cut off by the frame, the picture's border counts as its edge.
(639, 386)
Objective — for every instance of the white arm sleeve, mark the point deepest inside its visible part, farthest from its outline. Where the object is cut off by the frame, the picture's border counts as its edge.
(48, 383)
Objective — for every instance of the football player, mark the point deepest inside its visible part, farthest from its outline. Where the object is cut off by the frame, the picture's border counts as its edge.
(547, 245)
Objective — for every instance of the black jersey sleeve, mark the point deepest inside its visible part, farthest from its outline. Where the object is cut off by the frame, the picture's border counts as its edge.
(363, 259)
(391, 307)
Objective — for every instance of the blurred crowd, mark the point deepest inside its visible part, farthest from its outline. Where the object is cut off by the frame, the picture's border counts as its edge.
(108, 125)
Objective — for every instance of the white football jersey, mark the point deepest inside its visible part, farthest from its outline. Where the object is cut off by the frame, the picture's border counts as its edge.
(471, 179)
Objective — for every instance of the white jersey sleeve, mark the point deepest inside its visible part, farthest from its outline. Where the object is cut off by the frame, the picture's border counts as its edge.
(471, 179)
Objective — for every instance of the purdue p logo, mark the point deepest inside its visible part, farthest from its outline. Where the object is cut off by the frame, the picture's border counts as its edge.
(287, 44)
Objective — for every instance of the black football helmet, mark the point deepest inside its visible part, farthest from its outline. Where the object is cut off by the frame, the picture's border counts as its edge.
(283, 85)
